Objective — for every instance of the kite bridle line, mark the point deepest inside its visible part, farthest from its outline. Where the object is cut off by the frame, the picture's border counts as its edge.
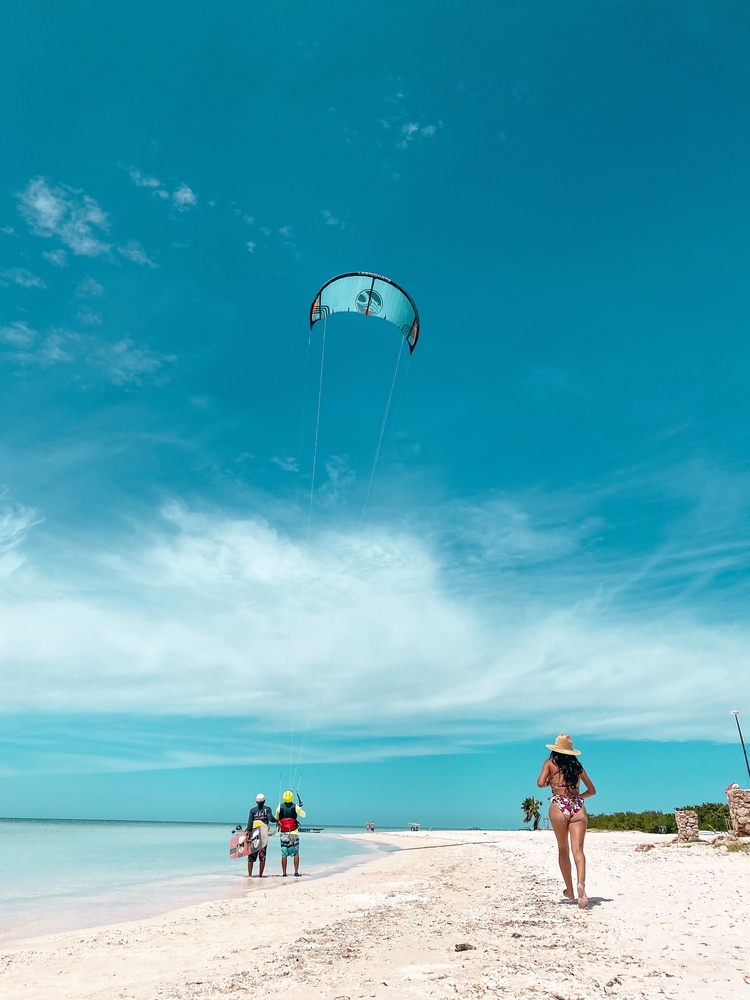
(336, 626)
(380, 438)
(292, 628)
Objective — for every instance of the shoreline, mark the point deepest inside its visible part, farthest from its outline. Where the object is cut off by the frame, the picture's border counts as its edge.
(233, 885)
(670, 921)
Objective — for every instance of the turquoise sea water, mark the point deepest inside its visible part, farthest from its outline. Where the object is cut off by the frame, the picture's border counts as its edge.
(59, 875)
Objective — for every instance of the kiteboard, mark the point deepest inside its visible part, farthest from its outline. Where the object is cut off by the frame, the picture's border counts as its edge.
(241, 845)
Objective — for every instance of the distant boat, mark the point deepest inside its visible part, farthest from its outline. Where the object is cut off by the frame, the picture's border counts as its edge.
(413, 826)
(311, 829)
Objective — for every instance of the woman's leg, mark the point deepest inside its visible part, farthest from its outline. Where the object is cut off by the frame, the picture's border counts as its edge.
(560, 826)
(577, 827)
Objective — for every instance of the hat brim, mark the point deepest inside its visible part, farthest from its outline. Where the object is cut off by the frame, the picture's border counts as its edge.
(570, 753)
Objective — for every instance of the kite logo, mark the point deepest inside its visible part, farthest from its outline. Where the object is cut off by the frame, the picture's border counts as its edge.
(368, 302)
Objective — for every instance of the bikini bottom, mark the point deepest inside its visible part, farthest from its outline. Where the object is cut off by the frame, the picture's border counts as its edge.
(568, 805)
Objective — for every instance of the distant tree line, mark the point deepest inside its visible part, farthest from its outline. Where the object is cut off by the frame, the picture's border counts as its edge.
(711, 816)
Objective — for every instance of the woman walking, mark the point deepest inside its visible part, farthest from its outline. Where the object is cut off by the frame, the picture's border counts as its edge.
(563, 773)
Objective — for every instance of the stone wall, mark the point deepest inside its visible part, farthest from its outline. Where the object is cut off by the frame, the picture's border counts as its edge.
(687, 824)
(739, 810)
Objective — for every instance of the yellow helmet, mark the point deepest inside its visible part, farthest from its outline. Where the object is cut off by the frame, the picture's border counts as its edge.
(289, 795)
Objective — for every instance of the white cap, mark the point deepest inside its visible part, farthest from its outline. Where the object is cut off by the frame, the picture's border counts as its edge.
(260, 797)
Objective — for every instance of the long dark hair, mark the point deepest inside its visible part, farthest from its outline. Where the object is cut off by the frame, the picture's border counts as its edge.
(570, 767)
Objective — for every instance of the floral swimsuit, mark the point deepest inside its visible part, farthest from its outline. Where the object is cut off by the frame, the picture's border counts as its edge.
(568, 804)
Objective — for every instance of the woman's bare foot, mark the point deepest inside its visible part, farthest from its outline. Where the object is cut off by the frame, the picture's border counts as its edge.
(568, 895)
(583, 899)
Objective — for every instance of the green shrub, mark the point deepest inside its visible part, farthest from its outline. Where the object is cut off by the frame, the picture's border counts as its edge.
(647, 822)
(712, 816)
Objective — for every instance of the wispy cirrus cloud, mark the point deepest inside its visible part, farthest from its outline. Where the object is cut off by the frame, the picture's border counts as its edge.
(15, 523)
(70, 215)
(209, 612)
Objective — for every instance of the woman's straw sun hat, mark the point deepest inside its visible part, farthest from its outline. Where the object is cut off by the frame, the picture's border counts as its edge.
(563, 744)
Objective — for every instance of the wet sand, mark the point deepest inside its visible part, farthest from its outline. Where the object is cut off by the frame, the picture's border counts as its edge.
(669, 922)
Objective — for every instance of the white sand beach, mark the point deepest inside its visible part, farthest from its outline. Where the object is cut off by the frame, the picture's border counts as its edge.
(669, 922)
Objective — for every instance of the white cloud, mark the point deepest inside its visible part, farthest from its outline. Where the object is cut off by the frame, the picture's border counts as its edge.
(18, 334)
(184, 198)
(143, 181)
(70, 215)
(88, 288)
(125, 363)
(340, 479)
(505, 533)
(51, 350)
(22, 341)
(8, 230)
(14, 526)
(287, 464)
(23, 278)
(250, 246)
(134, 251)
(57, 257)
(199, 622)
(89, 317)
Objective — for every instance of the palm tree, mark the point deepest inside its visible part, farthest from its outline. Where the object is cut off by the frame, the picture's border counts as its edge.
(530, 808)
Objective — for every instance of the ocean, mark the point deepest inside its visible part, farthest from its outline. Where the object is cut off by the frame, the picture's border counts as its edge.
(58, 875)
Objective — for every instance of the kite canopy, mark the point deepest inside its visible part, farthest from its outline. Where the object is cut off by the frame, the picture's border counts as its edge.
(371, 295)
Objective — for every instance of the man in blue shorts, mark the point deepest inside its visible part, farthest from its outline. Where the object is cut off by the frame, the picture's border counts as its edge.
(288, 823)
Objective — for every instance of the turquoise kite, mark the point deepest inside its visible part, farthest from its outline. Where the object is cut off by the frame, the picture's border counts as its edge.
(371, 295)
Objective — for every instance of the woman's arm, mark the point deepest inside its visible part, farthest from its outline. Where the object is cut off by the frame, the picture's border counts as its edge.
(590, 790)
(543, 780)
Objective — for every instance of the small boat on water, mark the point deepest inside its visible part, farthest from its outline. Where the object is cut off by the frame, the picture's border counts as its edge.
(311, 829)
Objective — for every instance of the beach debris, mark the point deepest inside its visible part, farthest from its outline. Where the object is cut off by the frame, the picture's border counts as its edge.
(645, 847)
(465, 946)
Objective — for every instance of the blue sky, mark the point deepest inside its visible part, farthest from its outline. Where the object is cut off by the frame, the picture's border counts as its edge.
(556, 537)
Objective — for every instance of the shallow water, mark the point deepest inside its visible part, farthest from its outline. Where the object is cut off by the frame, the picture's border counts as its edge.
(58, 875)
